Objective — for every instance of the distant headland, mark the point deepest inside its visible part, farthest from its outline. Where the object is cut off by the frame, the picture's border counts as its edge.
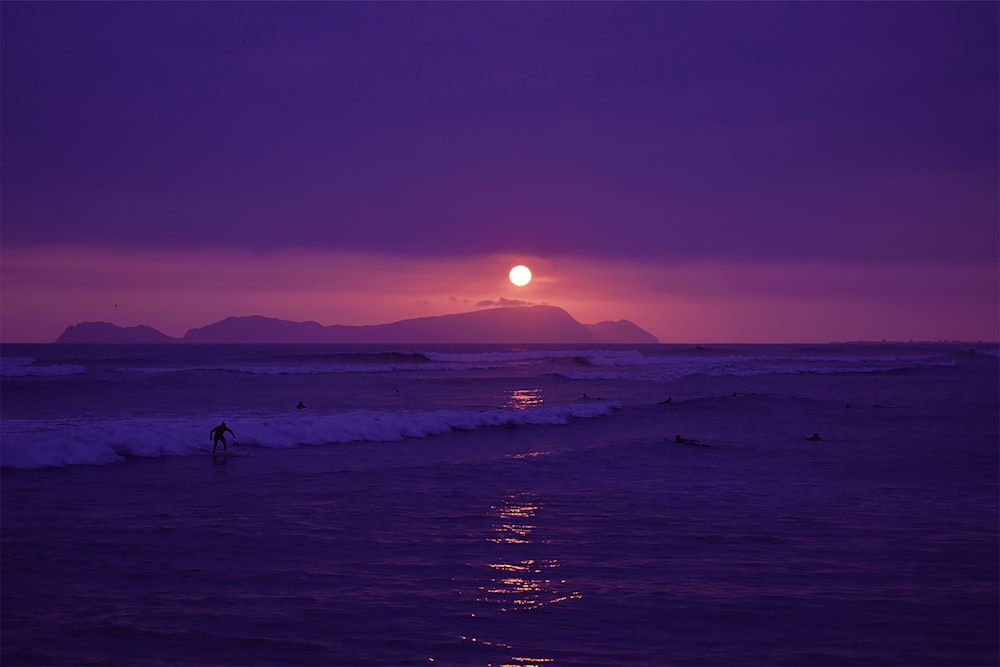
(508, 325)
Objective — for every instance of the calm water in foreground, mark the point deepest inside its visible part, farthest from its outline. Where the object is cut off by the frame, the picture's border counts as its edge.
(500, 505)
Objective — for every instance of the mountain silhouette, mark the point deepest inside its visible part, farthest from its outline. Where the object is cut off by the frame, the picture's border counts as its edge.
(508, 325)
(105, 332)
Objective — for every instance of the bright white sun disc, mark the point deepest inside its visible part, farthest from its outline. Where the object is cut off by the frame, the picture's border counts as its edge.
(520, 275)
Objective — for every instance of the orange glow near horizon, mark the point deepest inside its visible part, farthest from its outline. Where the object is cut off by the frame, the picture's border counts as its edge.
(48, 288)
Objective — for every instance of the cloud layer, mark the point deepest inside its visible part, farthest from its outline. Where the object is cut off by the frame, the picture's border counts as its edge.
(714, 171)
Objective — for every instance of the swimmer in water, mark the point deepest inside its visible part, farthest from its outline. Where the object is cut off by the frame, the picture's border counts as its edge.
(690, 441)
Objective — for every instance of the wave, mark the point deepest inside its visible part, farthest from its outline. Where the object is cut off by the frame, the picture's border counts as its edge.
(288, 370)
(28, 366)
(740, 366)
(596, 364)
(401, 362)
(653, 363)
(571, 365)
(593, 357)
(364, 357)
(42, 443)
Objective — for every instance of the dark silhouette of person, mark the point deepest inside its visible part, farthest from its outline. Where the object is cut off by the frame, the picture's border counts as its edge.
(690, 441)
(814, 437)
(299, 406)
(667, 401)
(217, 435)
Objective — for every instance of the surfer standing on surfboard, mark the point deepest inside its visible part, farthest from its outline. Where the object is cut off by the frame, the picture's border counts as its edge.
(217, 435)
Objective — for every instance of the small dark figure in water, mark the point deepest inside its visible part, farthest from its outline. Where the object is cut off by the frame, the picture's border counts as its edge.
(300, 405)
(668, 401)
(814, 437)
(217, 435)
(691, 441)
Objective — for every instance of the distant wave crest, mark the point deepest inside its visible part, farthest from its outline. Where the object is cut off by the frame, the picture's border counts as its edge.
(655, 369)
(25, 366)
(438, 362)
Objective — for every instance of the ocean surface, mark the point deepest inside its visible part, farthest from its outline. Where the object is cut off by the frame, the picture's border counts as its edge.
(484, 505)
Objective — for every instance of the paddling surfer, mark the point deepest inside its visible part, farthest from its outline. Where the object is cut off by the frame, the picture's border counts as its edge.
(690, 441)
(217, 435)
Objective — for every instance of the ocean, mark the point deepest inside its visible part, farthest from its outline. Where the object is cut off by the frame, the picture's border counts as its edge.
(501, 505)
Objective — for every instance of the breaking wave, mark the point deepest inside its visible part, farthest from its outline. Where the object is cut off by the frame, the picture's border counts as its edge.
(42, 443)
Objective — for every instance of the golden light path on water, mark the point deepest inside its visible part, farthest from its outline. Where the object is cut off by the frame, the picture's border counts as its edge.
(519, 583)
(522, 399)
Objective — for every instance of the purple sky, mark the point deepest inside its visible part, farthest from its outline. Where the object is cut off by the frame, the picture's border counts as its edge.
(712, 171)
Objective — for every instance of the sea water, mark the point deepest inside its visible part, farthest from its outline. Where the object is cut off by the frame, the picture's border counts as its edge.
(484, 505)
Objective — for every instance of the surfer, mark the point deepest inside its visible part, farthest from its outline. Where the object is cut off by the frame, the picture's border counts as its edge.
(217, 435)
(690, 441)
(299, 406)
(667, 401)
(814, 437)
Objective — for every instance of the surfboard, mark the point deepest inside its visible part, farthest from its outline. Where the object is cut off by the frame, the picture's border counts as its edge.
(687, 442)
(229, 453)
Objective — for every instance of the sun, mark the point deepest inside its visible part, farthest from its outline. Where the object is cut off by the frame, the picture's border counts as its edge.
(520, 275)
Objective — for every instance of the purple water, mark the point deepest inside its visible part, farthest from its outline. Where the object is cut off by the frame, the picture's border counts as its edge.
(501, 506)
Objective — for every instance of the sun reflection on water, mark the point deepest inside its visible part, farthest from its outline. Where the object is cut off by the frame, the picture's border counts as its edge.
(520, 578)
(520, 582)
(522, 399)
(514, 526)
(527, 662)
